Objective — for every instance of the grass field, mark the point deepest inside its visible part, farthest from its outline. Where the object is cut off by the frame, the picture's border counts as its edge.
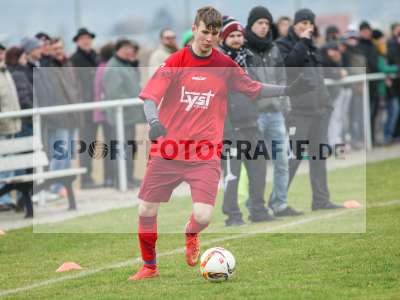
(271, 265)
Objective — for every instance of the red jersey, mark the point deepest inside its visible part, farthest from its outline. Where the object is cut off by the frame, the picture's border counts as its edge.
(192, 94)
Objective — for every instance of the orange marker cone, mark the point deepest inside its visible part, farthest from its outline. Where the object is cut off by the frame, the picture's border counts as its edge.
(68, 266)
(352, 204)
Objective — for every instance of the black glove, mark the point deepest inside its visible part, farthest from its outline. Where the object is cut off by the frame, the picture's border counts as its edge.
(300, 86)
(156, 129)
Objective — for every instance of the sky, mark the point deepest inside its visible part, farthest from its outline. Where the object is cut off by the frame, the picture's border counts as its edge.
(19, 18)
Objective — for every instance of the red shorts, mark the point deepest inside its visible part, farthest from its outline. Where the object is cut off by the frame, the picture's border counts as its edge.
(163, 176)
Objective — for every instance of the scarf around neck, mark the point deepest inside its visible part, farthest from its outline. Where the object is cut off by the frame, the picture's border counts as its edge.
(239, 56)
(257, 43)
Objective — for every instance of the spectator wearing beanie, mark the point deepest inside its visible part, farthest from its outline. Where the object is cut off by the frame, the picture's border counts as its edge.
(241, 124)
(267, 66)
(310, 115)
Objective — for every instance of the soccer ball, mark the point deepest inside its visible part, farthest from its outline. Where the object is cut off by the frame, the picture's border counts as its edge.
(217, 264)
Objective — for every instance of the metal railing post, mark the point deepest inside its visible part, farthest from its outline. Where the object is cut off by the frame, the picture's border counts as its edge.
(366, 115)
(122, 178)
(37, 134)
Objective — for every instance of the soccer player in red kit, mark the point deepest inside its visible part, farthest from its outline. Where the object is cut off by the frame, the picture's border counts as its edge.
(191, 90)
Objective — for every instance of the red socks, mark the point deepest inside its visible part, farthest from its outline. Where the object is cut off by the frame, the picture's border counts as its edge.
(147, 235)
(193, 227)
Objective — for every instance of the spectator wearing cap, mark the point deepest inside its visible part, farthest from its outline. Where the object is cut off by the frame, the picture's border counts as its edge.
(85, 61)
(46, 59)
(32, 47)
(168, 45)
(332, 33)
(310, 115)
(2, 52)
(268, 66)
(241, 125)
(371, 54)
(283, 25)
(122, 81)
(387, 104)
(393, 56)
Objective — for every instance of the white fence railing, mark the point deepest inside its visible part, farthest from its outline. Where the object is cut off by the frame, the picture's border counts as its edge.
(119, 105)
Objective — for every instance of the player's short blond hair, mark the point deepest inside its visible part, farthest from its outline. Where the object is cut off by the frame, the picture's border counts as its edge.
(211, 17)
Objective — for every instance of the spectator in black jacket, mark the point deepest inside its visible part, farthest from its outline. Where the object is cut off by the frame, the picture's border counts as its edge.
(85, 61)
(393, 57)
(371, 54)
(33, 49)
(241, 125)
(16, 63)
(267, 66)
(310, 113)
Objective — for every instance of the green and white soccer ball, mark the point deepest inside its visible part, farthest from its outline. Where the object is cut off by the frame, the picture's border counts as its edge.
(217, 264)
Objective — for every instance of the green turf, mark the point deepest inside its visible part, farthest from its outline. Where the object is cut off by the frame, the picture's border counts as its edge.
(269, 266)
(349, 183)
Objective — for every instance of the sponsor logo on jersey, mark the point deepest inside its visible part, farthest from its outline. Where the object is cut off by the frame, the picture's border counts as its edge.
(195, 99)
(200, 78)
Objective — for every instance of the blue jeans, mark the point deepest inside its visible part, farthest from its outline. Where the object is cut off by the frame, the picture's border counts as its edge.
(392, 107)
(6, 198)
(58, 162)
(272, 125)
